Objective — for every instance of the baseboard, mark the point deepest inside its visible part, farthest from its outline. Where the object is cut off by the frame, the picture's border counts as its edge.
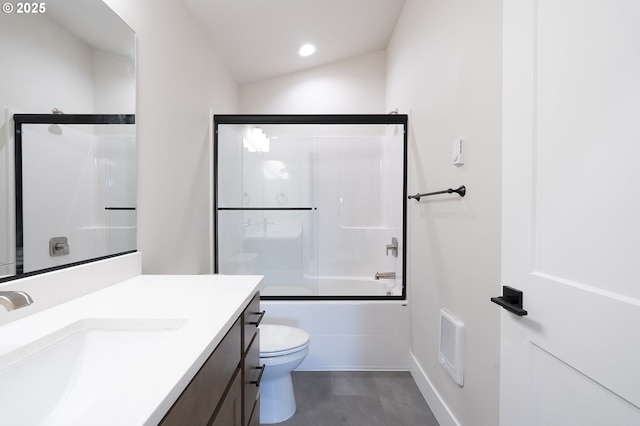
(444, 416)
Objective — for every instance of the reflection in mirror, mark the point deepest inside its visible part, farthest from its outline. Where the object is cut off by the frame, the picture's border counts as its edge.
(75, 187)
(75, 56)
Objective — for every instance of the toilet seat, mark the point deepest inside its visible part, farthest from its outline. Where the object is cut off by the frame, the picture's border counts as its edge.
(279, 340)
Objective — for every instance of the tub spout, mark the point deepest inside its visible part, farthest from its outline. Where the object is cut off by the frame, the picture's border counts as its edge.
(12, 300)
(385, 275)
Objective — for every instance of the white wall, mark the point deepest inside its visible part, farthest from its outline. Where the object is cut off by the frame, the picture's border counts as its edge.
(179, 79)
(44, 66)
(352, 86)
(7, 212)
(444, 70)
(114, 83)
(47, 66)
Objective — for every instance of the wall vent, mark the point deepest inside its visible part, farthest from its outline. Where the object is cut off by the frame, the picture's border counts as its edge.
(451, 346)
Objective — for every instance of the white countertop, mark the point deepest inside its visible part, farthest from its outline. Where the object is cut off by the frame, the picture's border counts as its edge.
(210, 304)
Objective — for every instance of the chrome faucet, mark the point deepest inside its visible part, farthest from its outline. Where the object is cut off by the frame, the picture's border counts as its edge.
(385, 275)
(12, 300)
(265, 222)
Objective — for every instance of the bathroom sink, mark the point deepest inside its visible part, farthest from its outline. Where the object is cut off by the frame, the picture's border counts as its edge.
(59, 378)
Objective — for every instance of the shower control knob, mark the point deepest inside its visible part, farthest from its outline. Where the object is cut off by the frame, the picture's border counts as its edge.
(393, 247)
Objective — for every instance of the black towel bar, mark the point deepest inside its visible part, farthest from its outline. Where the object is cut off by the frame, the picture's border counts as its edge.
(461, 191)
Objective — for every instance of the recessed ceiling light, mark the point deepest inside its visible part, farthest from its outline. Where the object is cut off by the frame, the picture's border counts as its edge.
(307, 50)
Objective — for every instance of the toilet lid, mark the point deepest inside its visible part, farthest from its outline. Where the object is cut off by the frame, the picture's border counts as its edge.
(281, 339)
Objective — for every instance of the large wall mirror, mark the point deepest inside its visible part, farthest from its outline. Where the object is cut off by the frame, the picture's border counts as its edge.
(67, 135)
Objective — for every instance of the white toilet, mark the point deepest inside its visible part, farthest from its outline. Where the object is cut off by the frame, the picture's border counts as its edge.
(282, 349)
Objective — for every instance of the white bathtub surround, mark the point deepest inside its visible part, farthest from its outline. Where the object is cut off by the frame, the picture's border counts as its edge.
(94, 163)
(370, 335)
(197, 312)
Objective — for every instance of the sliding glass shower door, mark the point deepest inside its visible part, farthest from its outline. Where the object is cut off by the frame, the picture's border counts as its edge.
(316, 204)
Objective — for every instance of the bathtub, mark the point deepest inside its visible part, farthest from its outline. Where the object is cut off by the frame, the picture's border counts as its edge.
(345, 334)
(336, 286)
(348, 335)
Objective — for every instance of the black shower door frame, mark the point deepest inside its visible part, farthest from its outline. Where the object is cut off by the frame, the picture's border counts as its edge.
(335, 119)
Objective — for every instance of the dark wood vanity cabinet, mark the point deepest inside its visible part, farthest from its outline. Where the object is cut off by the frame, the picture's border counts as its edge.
(225, 391)
(251, 362)
(230, 410)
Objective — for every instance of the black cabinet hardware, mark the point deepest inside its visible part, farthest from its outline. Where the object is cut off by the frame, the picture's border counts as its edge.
(259, 320)
(259, 379)
(511, 300)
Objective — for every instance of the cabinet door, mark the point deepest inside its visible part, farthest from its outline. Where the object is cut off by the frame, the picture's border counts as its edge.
(255, 416)
(230, 412)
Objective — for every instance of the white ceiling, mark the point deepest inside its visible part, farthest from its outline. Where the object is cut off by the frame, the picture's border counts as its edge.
(259, 39)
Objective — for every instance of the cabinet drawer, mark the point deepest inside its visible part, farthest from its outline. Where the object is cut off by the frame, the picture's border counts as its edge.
(252, 376)
(199, 400)
(252, 317)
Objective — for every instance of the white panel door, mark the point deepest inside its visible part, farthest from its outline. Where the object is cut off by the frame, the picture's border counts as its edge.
(571, 212)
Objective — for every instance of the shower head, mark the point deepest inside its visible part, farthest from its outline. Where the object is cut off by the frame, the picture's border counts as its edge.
(54, 128)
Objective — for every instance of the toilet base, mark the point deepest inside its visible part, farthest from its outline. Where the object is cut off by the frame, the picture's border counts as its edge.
(277, 401)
